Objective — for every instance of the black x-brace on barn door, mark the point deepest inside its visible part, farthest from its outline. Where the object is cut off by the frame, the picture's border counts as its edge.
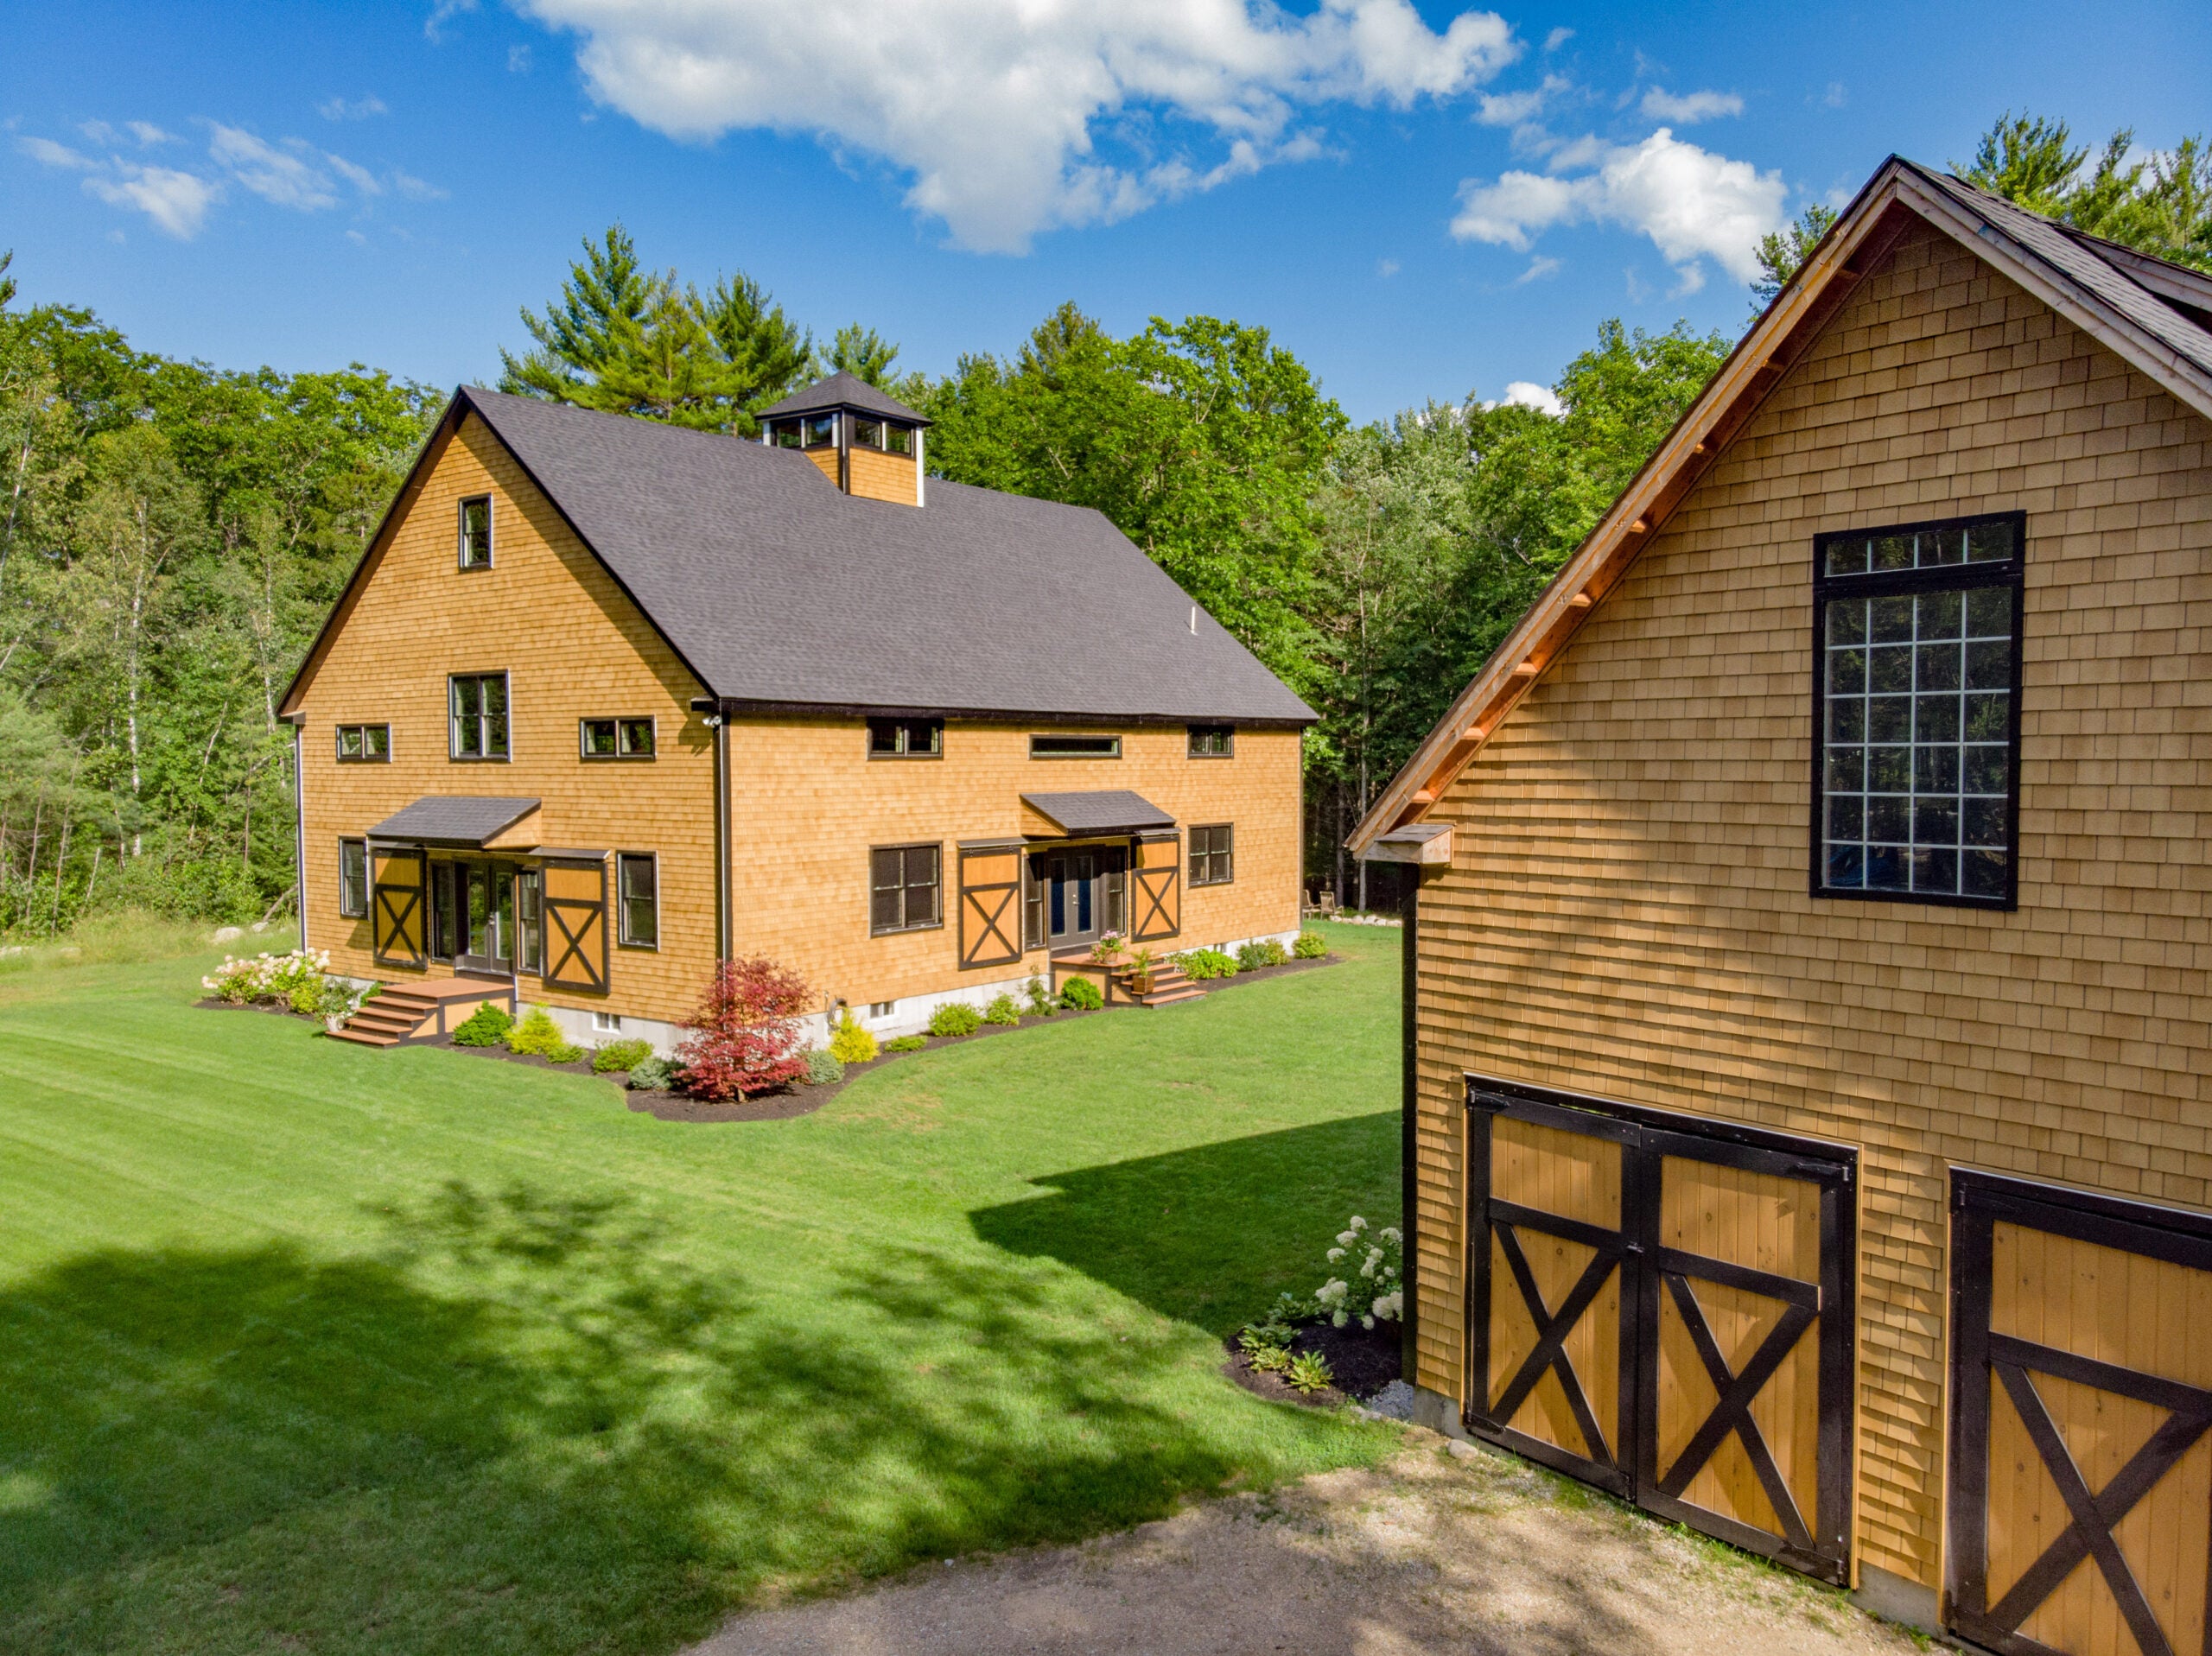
(1662, 1307)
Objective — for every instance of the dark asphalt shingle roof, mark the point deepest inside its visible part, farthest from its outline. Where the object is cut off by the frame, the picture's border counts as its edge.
(462, 819)
(842, 391)
(2079, 259)
(777, 587)
(1100, 811)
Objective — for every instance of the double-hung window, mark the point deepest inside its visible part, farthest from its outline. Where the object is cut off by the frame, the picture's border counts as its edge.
(479, 703)
(352, 878)
(638, 893)
(904, 882)
(1213, 854)
(1917, 714)
(476, 532)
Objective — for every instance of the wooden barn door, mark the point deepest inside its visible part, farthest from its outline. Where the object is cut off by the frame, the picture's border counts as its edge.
(1156, 889)
(1666, 1314)
(990, 905)
(2081, 1508)
(399, 917)
(575, 926)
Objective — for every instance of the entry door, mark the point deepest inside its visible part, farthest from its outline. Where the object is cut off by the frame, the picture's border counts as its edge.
(2081, 1510)
(486, 902)
(1666, 1313)
(1069, 883)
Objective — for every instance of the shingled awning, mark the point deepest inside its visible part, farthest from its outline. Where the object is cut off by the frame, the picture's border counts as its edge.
(1109, 810)
(460, 820)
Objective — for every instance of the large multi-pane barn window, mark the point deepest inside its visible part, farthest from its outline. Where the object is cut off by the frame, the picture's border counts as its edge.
(1917, 714)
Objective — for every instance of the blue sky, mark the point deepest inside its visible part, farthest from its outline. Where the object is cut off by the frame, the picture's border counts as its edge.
(1421, 201)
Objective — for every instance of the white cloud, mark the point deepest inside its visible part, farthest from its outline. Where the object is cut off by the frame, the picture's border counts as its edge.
(1834, 97)
(1527, 394)
(1539, 268)
(283, 177)
(359, 177)
(443, 12)
(1557, 38)
(1518, 108)
(48, 153)
(414, 188)
(176, 202)
(1691, 108)
(997, 110)
(148, 134)
(338, 109)
(98, 131)
(1386, 268)
(518, 60)
(1692, 203)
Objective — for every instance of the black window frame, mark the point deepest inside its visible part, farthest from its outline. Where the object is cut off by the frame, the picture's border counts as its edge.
(1198, 733)
(625, 936)
(897, 439)
(461, 557)
(346, 878)
(1960, 577)
(364, 756)
(1222, 856)
(453, 680)
(817, 431)
(1040, 743)
(786, 434)
(622, 724)
(902, 732)
(904, 886)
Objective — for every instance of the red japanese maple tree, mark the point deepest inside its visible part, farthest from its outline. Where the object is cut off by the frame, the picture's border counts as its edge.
(746, 1034)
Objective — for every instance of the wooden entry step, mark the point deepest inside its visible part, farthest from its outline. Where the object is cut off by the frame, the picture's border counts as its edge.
(1169, 984)
(399, 1014)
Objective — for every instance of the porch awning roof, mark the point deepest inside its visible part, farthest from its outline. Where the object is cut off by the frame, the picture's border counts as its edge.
(1109, 810)
(467, 819)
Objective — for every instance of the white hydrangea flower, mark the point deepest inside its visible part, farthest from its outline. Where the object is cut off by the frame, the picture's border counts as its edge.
(1347, 1238)
(1366, 1322)
(1334, 1254)
(1339, 1319)
(1391, 1233)
(1358, 1223)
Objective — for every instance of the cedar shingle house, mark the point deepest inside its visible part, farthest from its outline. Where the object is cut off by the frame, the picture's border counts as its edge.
(1810, 1086)
(607, 699)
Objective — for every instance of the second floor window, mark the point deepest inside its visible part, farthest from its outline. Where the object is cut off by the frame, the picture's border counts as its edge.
(1213, 741)
(479, 716)
(616, 739)
(1916, 719)
(1213, 854)
(476, 532)
(1075, 747)
(364, 744)
(905, 739)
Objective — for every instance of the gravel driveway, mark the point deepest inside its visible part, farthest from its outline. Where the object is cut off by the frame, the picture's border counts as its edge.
(1437, 1551)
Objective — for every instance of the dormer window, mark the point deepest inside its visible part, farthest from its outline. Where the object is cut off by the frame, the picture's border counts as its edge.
(821, 431)
(785, 434)
(866, 442)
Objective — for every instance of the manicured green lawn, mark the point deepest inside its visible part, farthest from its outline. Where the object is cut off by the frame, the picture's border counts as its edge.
(307, 1347)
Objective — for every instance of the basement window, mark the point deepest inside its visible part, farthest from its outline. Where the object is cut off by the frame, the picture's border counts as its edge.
(1075, 747)
(1917, 635)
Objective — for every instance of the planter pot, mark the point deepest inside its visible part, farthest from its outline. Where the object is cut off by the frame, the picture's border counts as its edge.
(332, 1025)
(1141, 984)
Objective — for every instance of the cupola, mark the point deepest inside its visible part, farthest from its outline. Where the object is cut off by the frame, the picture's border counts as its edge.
(866, 443)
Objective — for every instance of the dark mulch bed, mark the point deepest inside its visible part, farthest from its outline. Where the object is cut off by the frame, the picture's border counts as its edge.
(211, 1004)
(1363, 1361)
(1241, 977)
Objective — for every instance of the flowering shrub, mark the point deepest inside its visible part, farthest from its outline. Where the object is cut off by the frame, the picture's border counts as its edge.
(848, 1042)
(1107, 947)
(1371, 1287)
(955, 1017)
(1310, 946)
(1202, 964)
(1002, 1010)
(746, 1034)
(1081, 994)
(268, 977)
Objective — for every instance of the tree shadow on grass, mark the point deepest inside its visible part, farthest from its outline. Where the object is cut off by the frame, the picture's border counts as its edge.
(1210, 1235)
(531, 1426)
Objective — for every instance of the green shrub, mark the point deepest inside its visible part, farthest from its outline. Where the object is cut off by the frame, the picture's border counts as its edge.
(848, 1042)
(305, 997)
(620, 1055)
(1003, 1009)
(487, 1026)
(955, 1017)
(1310, 946)
(650, 1076)
(1202, 964)
(1041, 1004)
(538, 1036)
(824, 1067)
(1081, 994)
(1252, 956)
(906, 1044)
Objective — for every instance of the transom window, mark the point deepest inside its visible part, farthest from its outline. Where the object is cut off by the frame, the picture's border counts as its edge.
(616, 739)
(476, 532)
(479, 716)
(1213, 741)
(1213, 854)
(1075, 747)
(1917, 764)
(905, 739)
(364, 744)
(352, 878)
(637, 886)
(904, 882)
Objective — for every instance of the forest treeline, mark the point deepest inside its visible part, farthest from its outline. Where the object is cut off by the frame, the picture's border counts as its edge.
(172, 534)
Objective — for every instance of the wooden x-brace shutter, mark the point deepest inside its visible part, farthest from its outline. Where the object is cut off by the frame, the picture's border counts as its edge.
(575, 926)
(990, 905)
